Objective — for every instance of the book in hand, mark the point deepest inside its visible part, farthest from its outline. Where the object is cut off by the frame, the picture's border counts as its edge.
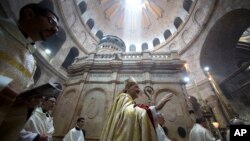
(47, 89)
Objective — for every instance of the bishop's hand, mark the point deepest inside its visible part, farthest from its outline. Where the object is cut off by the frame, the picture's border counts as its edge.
(163, 101)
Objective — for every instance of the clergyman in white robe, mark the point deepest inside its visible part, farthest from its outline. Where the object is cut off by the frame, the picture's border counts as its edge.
(75, 134)
(158, 118)
(161, 134)
(40, 124)
(199, 133)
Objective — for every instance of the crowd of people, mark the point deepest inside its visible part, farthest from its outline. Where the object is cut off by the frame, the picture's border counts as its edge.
(25, 114)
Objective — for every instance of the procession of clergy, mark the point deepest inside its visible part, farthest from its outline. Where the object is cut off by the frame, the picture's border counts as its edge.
(25, 114)
(126, 121)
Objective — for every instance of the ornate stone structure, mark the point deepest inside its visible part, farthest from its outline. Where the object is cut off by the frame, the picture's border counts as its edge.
(111, 43)
(95, 80)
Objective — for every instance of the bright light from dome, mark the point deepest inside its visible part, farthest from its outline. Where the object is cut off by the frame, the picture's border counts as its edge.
(47, 51)
(186, 79)
(134, 4)
(206, 68)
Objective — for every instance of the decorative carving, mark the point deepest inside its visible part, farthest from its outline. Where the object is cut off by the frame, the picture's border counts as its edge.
(198, 15)
(83, 36)
(92, 109)
(172, 46)
(137, 76)
(67, 100)
(100, 75)
(73, 20)
(159, 75)
(185, 37)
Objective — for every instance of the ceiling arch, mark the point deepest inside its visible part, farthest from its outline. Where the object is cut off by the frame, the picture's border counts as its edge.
(219, 50)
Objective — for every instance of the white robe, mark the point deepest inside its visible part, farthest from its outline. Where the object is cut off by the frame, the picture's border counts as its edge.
(199, 133)
(74, 135)
(161, 134)
(16, 61)
(159, 130)
(38, 123)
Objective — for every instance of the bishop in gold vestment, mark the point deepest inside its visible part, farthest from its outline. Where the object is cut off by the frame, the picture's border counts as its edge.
(127, 121)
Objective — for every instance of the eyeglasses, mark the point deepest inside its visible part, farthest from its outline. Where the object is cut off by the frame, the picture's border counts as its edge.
(52, 20)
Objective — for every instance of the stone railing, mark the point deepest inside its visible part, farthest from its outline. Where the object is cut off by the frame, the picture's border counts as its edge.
(131, 56)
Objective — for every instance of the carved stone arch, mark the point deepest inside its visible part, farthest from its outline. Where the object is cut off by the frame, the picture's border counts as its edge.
(69, 91)
(165, 90)
(219, 51)
(198, 16)
(172, 47)
(169, 111)
(64, 110)
(66, 99)
(93, 108)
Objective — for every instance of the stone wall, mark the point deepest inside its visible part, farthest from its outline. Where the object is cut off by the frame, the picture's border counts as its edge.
(91, 89)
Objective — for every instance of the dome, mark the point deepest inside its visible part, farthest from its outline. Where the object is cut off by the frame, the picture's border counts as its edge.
(110, 43)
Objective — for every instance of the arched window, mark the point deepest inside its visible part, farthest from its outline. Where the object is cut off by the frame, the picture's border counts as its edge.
(73, 53)
(55, 42)
(99, 34)
(144, 46)
(177, 22)
(167, 34)
(156, 42)
(90, 23)
(187, 4)
(37, 74)
(83, 7)
(132, 48)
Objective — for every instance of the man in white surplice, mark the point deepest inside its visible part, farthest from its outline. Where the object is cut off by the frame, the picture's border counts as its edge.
(40, 127)
(76, 133)
(159, 121)
(199, 131)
